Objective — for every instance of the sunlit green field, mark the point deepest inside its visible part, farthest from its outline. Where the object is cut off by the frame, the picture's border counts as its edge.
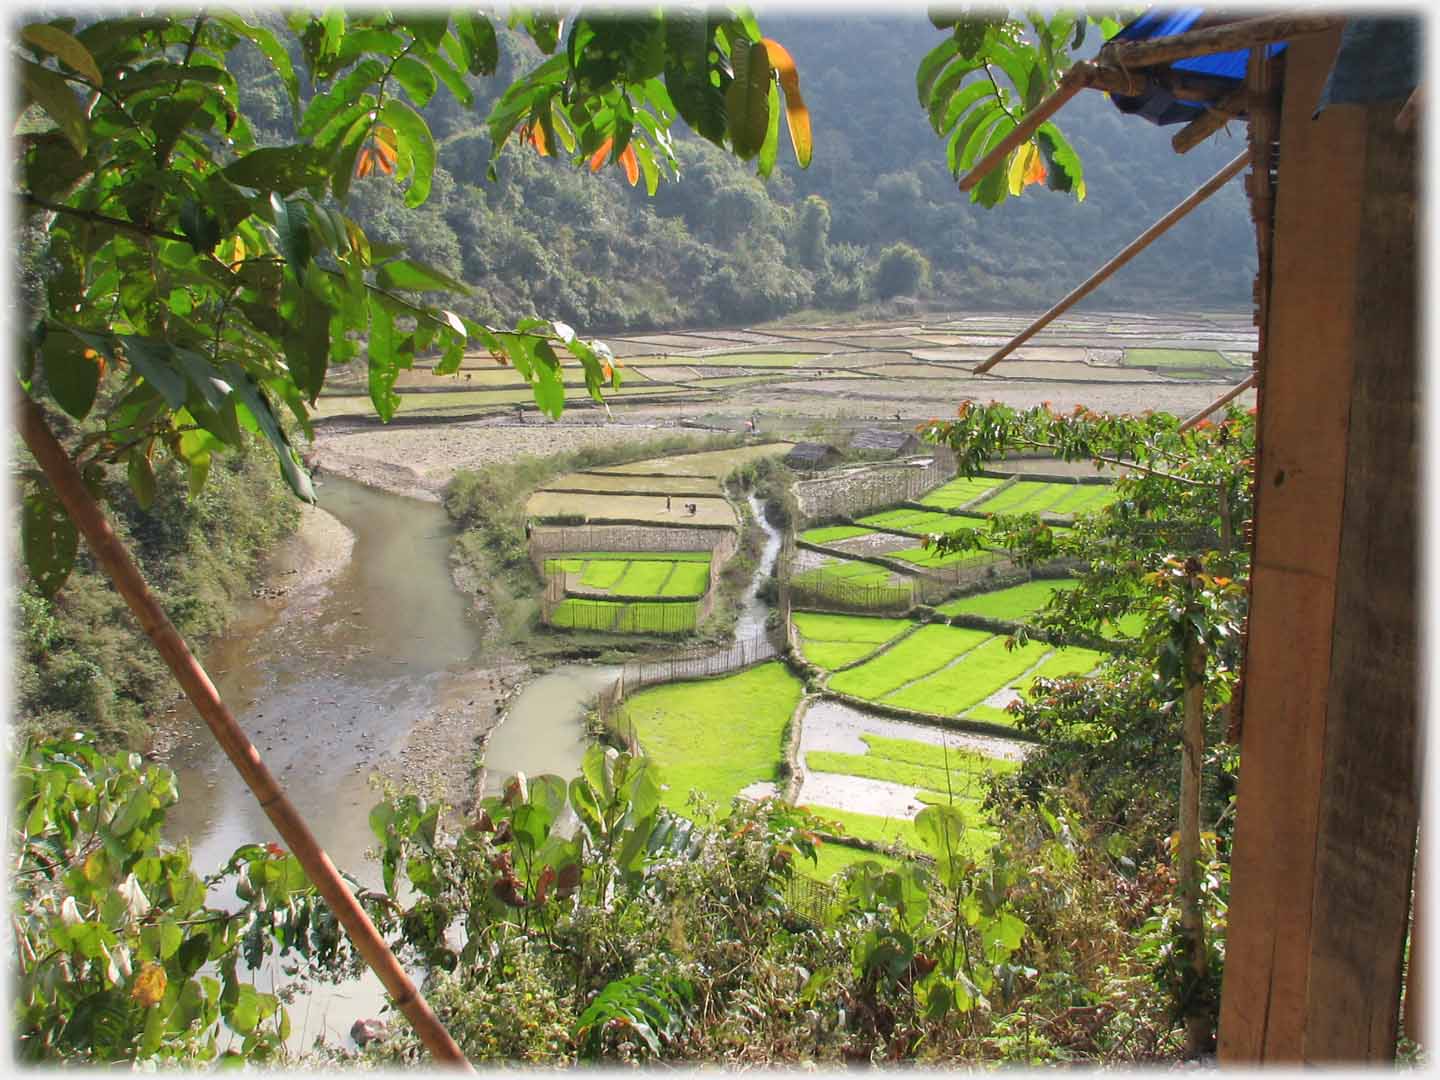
(828, 534)
(1011, 605)
(960, 491)
(916, 522)
(659, 617)
(1037, 497)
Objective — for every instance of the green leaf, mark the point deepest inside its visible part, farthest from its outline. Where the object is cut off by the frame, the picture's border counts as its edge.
(930, 68)
(199, 226)
(384, 366)
(1064, 171)
(278, 168)
(482, 49)
(49, 540)
(72, 376)
(270, 46)
(323, 108)
(416, 78)
(141, 477)
(699, 100)
(747, 101)
(947, 108)
(63, 47)
(416, 147)
(258, 408)
(417, 277)
(766, 162)
(52, 93)
(307, 344)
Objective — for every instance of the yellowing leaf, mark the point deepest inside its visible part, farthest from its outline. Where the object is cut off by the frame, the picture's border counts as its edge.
(149, 985)
(797, 115)
(1022, 162)
(1036, 174)
(597, 159)
(632, 167)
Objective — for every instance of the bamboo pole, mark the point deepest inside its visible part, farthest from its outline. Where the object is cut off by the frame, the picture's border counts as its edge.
(1071, 83)
(1192, 916)
(1245, 34)
(1220, 402)
(1139, 244)
(110, 552)
(1210, 121)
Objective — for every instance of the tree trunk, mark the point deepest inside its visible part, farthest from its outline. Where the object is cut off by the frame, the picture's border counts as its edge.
(1199, 1019)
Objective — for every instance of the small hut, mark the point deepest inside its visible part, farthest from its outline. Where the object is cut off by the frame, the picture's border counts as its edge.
(877, 442)
(812, 457)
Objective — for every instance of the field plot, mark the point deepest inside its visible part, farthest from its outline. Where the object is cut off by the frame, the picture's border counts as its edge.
(441, 403)
(752, 359)
(1178, 358)
(960, 491)
(832, 641)
(715, 463)
(929, 557)
(1040, 497)
(923, 652)
(849, 571)
(709, 510)
(915, 522)
(717, 736)
(1011, 605)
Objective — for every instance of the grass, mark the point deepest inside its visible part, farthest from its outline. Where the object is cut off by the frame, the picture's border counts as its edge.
(960, 491)
(929, 648)
(828, 534)
(919, 522)
(832, 859)
(1012, 605)
(832, 641)
(717, 735)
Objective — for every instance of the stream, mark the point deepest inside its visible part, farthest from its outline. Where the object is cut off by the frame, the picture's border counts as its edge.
(329, 691)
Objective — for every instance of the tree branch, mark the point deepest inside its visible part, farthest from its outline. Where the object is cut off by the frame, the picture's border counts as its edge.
(102, 219)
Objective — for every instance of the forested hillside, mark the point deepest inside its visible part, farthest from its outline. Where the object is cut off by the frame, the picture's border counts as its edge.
(722, 247)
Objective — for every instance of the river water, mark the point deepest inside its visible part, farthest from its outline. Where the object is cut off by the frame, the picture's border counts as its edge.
(328, 691)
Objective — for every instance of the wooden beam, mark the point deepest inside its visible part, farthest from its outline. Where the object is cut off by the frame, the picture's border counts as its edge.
(1328, 795)
(1139, 244)
(1220, 402)
(1071, 83)
(1245, 34)
(113, 558)
(1370, 801)
(1212, 120)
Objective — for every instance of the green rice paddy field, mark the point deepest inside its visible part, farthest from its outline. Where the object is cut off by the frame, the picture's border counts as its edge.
(1039, 497)
(618, 617)
(639, 574)
(960, 491)
(716, 735)
(916, 522)
(832, 641)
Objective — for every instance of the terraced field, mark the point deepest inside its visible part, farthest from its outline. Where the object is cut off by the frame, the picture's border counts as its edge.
(613, 506)
(1010, 605)
(960, 491)
(827, 534)
(947, 671)
(618, 617)
(915, 522)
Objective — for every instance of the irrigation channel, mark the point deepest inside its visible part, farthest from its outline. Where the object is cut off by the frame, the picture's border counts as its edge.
(327, 692)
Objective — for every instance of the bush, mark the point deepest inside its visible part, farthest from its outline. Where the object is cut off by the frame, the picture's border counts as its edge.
(900, 271)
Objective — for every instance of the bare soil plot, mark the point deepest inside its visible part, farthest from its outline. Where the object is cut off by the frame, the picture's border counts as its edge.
(645, 508)
(605, 483)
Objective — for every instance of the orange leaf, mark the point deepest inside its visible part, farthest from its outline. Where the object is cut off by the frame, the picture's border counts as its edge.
(365, 163)
(149, 986)
(1036, 172)
(597, 159)
(797, 115)
(632, 167)
(534, 134)
(385, 150)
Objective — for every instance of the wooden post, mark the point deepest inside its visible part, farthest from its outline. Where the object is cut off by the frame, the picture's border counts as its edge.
(110, 553)
(1328, 800)
(1210, 121)
(1245, 34)
(1139, 244)
(1198, 1025)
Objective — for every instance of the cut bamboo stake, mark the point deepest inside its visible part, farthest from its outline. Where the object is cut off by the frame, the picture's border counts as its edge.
(111, 554)
(1139, 244)
(1245, 34)
(1071, 83)
(1220, 402)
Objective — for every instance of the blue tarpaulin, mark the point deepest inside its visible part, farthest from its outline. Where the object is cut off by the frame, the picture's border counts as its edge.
(1158, 105)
